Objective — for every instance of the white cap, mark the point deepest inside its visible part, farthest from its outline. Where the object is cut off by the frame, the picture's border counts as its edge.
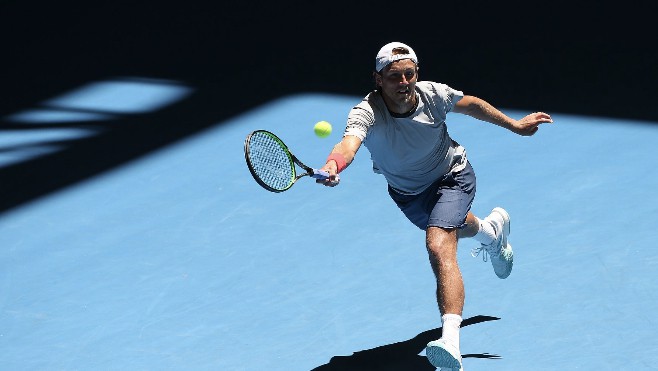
(386, 56)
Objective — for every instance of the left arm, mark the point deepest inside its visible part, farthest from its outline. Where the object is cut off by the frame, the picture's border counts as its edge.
(482, 110)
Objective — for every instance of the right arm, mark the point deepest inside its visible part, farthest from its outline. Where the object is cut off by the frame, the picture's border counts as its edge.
(346, 148)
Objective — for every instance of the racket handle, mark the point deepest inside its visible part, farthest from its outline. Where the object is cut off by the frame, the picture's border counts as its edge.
(320, 174)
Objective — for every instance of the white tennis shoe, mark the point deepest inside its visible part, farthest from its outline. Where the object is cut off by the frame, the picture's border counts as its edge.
(499, 251)
(444, 355)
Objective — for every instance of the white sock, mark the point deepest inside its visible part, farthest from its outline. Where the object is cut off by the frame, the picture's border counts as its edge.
(486, 234)
(451, 324)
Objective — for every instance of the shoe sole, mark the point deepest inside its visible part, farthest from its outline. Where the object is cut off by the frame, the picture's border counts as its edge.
(440, 357)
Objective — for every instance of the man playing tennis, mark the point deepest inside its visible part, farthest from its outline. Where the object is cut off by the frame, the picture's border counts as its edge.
(402, 123)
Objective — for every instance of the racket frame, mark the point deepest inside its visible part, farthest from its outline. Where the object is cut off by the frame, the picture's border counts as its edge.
(308, 171)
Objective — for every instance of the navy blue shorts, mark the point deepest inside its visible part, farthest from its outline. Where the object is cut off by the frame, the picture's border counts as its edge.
(443, 204)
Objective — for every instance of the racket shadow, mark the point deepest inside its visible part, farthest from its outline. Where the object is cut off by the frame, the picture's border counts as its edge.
(400, 356)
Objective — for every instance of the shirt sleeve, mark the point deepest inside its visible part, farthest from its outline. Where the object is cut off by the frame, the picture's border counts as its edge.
(444, 97)
(451, 97)
(359, 121)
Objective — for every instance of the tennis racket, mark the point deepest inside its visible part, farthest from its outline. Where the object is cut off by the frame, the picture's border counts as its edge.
(272, 164)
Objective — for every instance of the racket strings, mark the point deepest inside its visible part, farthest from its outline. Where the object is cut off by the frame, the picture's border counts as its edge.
(270, 161)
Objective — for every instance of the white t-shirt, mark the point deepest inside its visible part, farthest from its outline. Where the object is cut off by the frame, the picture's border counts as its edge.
(414, 151)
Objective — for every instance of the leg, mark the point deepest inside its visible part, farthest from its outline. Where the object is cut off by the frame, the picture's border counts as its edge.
(442, 211)
(442, 250)
(471, 228)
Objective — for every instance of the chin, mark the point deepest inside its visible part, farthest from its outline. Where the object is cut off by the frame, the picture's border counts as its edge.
(406, 99)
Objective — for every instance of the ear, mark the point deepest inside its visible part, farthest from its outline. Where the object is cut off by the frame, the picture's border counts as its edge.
(377, 77)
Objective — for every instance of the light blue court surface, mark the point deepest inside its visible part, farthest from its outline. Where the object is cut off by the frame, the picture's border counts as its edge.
(180, 261)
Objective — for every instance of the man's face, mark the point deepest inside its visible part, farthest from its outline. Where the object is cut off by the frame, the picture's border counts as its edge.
(397, 82)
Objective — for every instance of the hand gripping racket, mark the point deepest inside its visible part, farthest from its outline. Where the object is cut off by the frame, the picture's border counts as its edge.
(272, 164)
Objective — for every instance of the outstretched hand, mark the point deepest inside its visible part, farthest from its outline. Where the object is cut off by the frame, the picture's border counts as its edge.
(530, 124)
(332, 181)
(333, 178)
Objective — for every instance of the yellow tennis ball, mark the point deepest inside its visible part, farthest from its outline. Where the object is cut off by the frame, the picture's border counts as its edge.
(322, 129)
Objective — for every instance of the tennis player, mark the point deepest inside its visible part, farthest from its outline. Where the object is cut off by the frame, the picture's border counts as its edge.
(403, 124)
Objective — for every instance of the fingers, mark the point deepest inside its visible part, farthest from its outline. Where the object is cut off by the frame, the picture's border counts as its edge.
(542, 118)
(529, 125)
(332, 181)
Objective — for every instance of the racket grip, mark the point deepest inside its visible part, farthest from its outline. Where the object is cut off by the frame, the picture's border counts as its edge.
(320, 174)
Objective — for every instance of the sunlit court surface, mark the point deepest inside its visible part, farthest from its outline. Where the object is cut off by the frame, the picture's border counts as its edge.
(179, 260)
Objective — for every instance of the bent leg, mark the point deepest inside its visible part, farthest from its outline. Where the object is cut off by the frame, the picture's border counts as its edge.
(471, 227)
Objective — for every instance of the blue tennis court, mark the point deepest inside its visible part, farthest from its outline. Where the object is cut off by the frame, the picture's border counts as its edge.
(180, 261)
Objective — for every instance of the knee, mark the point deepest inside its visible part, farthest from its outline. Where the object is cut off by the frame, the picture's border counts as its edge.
(442, 244)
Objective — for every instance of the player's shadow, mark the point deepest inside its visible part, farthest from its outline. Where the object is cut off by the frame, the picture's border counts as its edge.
(400, 356)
